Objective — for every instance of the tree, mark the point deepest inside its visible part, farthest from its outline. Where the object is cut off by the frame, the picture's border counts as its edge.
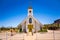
(0, 29)
(20, 28)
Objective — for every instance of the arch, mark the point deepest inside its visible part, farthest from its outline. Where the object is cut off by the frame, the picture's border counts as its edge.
(30, 20)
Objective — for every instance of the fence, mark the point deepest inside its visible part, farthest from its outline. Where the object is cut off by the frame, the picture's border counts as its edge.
(50, 35)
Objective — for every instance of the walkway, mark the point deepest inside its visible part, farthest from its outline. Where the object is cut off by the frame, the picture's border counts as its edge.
(36, 36)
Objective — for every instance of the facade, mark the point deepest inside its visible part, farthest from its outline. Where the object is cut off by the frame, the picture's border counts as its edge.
(57, 21)
(30, 21)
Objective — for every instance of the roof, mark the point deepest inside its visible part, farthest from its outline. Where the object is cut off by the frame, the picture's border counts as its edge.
(57, 21)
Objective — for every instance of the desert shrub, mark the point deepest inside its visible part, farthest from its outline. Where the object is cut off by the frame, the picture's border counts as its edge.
(20, 30)
(16, 30)
(53, 28)
(0, 29)
(44, 27)
(44, 30)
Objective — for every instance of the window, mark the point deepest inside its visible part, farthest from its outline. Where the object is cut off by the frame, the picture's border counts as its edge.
(30, 11)
(30, 20)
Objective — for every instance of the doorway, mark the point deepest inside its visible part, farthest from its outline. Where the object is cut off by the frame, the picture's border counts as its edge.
(30, 27)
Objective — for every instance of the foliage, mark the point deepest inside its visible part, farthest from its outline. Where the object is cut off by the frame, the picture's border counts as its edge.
(44, 29)
(19, 26)
(16, 29)
(20, 30)
(4, 29)
(53, 28)
(0, 29)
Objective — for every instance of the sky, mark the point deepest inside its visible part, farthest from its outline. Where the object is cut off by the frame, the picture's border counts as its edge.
(13, 12)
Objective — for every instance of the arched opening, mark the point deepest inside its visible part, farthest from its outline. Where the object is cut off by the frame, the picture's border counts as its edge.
(30, 11)
(30, 27)
(30, 20)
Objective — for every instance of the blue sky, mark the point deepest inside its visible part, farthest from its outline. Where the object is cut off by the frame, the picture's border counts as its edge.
(13, 12)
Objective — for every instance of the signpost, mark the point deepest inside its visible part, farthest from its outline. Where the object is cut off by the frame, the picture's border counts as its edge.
(53, 35)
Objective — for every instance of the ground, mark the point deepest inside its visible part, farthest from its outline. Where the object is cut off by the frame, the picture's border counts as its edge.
(50, 35)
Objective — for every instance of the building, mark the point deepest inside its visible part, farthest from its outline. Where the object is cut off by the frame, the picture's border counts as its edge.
(30, 23)
(57, 21)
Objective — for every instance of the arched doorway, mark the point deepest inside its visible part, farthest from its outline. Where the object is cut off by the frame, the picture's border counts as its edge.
(30, 27)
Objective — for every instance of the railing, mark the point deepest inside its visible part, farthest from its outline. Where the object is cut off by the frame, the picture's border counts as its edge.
(53, 35)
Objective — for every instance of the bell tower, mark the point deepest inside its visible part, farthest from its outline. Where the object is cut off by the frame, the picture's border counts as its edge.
(30, 11)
